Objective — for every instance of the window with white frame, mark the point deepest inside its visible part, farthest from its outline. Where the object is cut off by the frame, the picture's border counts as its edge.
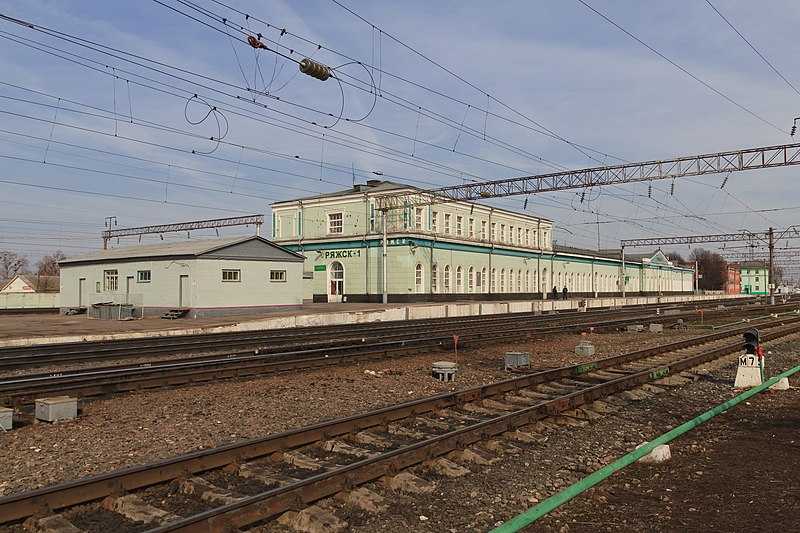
(502, 233)
(494, 231)
(519, 236)
(419, 213)
(493, 281)
(519, 280)
(502, 280)
(335, 223)
(434, 221)
(459, 225)
(471, 228)
(527, 237)
(483, 230)
(446, 278)
(471, 280)
(511, 234)
(447, 223)
(434, 279)
(110, 280)
(459, 279)
(277, 275)
(229, 274)
(481, 280)
(419, 278)
(143, 276)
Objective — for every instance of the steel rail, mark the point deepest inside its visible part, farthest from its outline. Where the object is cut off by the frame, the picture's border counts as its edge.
(13, 358)
(20, 506)
(92, 382)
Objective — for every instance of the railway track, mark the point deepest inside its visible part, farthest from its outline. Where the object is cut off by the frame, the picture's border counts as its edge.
(294, 469)
(275, 340)
(22, 390)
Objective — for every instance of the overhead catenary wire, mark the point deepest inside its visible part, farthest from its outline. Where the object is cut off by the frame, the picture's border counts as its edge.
(753, 48)
(683, 69)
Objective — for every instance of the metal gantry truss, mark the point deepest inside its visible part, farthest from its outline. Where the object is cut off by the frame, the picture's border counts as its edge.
(256, 220)
(696, 165)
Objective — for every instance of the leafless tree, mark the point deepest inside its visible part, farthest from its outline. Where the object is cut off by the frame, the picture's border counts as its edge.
(11, 263)
(712, 267)
(48, 265)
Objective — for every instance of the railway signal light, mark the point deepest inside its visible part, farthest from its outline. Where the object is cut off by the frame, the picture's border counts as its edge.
(752, 342)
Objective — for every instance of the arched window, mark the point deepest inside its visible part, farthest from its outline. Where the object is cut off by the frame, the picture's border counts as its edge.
(434, 278)
(559, 284)
(519, 280)
(482, 282)
(493, 281)
(459, 279)
(447, 278)
(527, 281)
(471, 280)
(419, 278)
(502, 280)
(337, 279)
(534, 282)
(544, 285)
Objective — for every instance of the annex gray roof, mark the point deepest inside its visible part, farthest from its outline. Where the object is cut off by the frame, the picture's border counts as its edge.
(258, 249)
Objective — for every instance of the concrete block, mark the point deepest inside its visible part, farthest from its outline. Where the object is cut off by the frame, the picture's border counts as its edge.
(6, 418)
(459, 310)
(517, 360)
(660, 454)
(396, 313)
(782, 384)
(494, 308)
(519, 307)
(56, 408)
(635, 328)
(656, 328)
(584, 349)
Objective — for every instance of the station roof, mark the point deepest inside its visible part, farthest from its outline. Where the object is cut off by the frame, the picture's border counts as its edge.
(379, 186)
(258, 249)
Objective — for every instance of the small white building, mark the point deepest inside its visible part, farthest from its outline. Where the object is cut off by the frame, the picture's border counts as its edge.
(208, 277)
(30, 283)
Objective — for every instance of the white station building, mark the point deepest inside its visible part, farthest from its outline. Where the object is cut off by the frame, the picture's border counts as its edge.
(235, 275)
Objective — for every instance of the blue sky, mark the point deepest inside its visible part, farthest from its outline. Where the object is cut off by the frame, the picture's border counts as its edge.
(555, 62)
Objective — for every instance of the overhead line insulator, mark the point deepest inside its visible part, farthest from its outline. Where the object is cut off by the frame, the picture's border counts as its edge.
(315, 69)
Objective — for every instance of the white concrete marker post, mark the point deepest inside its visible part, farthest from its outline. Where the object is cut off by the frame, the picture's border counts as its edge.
(749, 372)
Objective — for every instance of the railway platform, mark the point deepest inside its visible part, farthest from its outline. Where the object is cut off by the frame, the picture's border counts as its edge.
(30, 330)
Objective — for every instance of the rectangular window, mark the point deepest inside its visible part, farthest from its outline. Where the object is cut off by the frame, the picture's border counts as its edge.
(471, 228)
(459, 225)
(372, 217)
(277, 275)
(527, 237)
(483, 230)
(231, 275)
(511, 234)
(434, 221)
(143, 276)
(447, 223)
(494, 231)
(502, 233)
(756, 278)
(418, 214)
(519, 236)
(110, 281)
(335, 222)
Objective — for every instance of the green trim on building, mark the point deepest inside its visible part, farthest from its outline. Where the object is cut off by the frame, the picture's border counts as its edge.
(442, 245)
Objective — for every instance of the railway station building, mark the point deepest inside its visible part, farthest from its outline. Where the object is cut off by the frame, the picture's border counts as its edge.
(754, 277)
(205, 277)
(451, 251)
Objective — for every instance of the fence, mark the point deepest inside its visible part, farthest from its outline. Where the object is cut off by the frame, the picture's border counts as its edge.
(29, 300)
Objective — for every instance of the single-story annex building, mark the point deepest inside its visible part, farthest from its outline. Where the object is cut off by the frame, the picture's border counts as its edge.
(234, 275)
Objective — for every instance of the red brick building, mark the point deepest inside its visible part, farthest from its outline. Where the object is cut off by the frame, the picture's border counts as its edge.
(733, 279)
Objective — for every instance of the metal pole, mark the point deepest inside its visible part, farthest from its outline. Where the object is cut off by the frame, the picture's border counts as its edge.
(696, 281)
(385, 269)
(770, 277)
(623, 272)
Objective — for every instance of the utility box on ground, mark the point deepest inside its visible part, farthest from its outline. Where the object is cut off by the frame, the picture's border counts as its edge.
(6, 418)
(444, 370)
(584, 349)
(56, 408)
(635, 328)
(656, 328)
(515, 360)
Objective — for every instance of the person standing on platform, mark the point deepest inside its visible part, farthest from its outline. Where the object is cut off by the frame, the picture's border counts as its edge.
(555, 292)
(564, 292)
